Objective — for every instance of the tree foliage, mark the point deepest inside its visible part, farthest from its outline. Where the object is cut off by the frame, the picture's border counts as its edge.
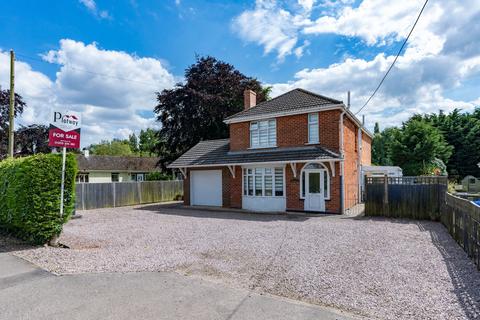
(381, 146)
(195, 110)
(462, 132)
(133, 142)
(31, 140)
(148, 142)
(417, 147)
(112, 148)
(30, 196)
(4, 116)
(459, 130)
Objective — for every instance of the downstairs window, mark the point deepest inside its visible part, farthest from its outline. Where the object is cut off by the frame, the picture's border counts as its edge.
(263, 182)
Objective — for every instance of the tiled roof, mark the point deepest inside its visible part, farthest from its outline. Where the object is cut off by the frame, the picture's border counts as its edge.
(216, 152)
(117, 163)
(295, 100)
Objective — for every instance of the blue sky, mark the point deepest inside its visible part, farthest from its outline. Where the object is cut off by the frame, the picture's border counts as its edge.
(327, 46)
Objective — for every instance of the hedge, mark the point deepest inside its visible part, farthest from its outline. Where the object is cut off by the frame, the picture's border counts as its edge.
(30, 196)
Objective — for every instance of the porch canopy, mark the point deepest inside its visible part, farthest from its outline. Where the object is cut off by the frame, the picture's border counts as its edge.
(217, 153)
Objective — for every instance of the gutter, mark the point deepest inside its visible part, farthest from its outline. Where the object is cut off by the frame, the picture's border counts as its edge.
(254, 163)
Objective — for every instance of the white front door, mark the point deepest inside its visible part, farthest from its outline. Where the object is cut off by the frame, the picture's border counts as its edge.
(314, 193)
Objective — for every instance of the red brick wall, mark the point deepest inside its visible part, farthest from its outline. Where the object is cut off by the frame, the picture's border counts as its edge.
(239, 136)
(235, 191)
(329, 129)
(366, 150)
(292, 131)
(351, 159)
(231, 188)
(292, 186)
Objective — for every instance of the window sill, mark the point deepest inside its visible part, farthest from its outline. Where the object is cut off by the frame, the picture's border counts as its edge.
(326, 199)
(268, 197)
(256, 148)
(311, 143)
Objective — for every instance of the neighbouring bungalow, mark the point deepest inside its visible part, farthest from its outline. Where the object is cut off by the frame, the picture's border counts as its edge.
(98, 169)
(297, 152)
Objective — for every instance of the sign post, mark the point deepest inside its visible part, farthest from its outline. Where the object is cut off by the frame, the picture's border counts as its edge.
(65, 133)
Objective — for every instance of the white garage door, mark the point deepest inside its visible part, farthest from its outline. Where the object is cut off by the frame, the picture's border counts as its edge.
(206, 188)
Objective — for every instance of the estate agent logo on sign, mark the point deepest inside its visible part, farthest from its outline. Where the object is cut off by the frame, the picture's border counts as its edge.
(65, 130)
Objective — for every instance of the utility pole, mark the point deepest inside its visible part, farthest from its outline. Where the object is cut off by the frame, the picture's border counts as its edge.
(11, 113)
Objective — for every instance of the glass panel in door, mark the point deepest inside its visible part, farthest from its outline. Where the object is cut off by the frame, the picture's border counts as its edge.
(314, 182)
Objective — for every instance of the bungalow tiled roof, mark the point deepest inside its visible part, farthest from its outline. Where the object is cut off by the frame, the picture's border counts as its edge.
(117, 163)
(295, 100)
(216, 152)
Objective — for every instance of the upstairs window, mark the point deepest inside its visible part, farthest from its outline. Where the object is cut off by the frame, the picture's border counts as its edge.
(263, 134)
(313, 128)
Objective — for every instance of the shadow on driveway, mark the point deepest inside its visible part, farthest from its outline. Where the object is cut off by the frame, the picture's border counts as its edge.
(9, 243)
(214, 213)
(462, 271)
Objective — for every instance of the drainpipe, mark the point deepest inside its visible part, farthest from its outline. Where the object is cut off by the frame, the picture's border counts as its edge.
(342, 165)
(359, 165)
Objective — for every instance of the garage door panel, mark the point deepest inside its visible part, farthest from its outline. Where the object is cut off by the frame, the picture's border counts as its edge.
(206, 187)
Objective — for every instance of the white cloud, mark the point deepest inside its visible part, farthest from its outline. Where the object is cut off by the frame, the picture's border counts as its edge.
(93, 81)
(91, 5)
(271, 26)
(441, 55)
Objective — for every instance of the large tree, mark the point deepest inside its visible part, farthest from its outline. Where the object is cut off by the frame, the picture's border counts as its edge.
(462, 132)
(4, 116)
(195, 110)
(148, 142)
(418, 147)
(381, 145)
(31, 140)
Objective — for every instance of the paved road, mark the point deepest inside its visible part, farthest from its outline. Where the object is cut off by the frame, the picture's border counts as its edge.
(27, 292)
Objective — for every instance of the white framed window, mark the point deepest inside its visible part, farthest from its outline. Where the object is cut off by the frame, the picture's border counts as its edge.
(313, 128)
(82, 178)
(325, 182)
(263, 134)
(263, 182)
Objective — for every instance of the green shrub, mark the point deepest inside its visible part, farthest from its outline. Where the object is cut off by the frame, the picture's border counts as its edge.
(30, 196)
(155, 176)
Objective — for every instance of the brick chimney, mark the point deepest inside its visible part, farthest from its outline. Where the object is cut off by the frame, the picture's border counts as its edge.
(249, 99)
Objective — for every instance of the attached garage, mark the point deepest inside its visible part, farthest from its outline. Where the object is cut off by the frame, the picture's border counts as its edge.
(206, 188)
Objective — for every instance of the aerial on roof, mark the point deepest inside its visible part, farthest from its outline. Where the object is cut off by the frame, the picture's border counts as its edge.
(295, 100)
(216, 152)
(117, 163)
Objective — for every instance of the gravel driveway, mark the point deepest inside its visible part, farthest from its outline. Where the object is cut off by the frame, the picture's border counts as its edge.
(388, 269)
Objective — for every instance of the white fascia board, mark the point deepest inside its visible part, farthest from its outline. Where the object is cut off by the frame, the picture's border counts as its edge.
(255, 163)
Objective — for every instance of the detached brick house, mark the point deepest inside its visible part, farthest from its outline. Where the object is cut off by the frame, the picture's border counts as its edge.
(297, 152)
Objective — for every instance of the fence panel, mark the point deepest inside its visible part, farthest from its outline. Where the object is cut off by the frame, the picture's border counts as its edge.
(405, 197)
(107, 195)
(462, 219)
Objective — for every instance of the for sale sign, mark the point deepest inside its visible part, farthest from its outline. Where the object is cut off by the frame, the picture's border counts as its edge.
(65, 129)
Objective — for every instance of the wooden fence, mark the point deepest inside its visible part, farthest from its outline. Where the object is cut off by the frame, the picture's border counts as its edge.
(118, 194)
(462, 219)
(405, 197)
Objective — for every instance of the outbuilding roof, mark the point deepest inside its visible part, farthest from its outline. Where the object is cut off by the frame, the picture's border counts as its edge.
(117, 163)
(216, 152)
(294, 100)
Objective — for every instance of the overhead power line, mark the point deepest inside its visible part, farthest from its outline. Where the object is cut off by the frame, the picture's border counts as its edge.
(84, 70)
(396, 58)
